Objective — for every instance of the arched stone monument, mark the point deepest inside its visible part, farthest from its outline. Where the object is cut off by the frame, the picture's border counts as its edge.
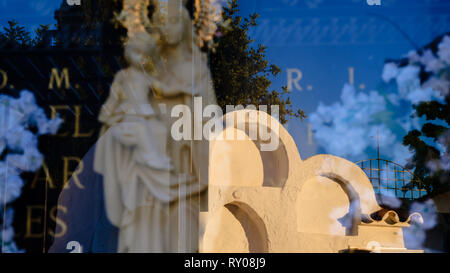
(277, 202)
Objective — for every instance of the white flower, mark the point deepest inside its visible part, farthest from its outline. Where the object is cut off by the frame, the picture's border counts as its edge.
(30, 160)
(421, 95)
(44, 125)
(348, 121)
(16, 117)
(390, 71)
(390, 199)
(444, 162)
(401, 154)
(408, 80)
(414, 237)
(405, 122)
(441, 85)
(25, 104)
(19, 139)
(444, 50)
(394, 99)
(50, 127)
(7, 235)
(413, 57)
(13, 185)
(11, 247)
(438, 165)
(431, 63)
(383, 134)
(6, 169)
(428, 212)
(9, 216)
(10, 118)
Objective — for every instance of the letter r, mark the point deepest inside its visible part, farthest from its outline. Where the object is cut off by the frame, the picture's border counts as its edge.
(294, 81)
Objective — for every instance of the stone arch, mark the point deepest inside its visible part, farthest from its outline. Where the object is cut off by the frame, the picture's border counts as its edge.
(276, 163)
(336, 189)
(235, 163)
(350, 174)
(325, 207)
(253, 225)
(353, 217)
(244, 228)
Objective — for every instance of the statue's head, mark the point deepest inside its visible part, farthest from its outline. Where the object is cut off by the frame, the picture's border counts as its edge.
(174, 22)
(171, 19)
(139, 48)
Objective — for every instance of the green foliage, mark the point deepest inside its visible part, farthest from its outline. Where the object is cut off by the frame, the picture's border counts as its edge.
(15, 36)
(427, 159)
(41, 39)
(240, 70)
(434, 110)
(91, 24)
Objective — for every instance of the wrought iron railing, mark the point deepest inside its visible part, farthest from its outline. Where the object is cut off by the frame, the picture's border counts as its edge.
(391, 179)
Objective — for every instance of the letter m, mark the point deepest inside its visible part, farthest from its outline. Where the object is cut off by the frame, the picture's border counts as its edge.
(59, 78)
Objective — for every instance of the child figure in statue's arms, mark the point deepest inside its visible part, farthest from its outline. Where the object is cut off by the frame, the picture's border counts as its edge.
(128, 110)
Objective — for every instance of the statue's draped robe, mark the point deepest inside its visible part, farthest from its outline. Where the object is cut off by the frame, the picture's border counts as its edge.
(156, 210)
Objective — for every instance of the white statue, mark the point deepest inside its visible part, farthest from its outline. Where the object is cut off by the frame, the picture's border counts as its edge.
(153, 184)
(128, 108)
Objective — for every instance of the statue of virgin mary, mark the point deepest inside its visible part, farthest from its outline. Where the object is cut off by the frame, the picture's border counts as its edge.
(153, 184)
